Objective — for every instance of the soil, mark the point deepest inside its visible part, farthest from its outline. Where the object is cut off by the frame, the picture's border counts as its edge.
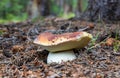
(21, 58)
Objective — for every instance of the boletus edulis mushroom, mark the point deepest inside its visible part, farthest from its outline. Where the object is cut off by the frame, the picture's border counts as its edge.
(60, 46)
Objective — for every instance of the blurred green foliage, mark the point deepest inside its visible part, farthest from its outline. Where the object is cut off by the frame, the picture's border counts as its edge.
(55, 9)
(1, 32)
(59, 11)
(12, 10)
(15, 10)
(84, 4)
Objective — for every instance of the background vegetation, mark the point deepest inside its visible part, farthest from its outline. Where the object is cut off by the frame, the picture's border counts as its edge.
(20, 10)
(13, 10)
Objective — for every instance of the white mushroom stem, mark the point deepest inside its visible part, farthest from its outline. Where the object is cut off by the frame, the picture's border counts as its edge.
(59, 57)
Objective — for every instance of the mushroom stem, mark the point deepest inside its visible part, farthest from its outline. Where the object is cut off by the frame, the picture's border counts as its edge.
(59, 57)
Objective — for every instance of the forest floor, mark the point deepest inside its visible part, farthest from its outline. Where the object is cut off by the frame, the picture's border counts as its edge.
(21, 58)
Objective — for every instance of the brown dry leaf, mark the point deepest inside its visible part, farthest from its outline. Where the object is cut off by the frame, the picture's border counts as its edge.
(24, 67)
(36, 62)
(50, 73)
(98, 76)
(24, 74)
(81, 74)
(13, 67)
(17, 48)
(91, 25)
(110, 41)
(29, 72)
(75, 75)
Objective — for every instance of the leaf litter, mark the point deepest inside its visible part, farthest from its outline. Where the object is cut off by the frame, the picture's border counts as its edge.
(20, 58)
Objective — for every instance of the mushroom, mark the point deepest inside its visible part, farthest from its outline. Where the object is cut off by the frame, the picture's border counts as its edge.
(60, 46)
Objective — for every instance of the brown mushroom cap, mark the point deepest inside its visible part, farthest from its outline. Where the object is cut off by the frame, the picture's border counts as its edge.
(61, 42)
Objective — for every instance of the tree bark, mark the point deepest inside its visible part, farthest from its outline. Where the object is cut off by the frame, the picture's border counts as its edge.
(38, 8)
(106, 10)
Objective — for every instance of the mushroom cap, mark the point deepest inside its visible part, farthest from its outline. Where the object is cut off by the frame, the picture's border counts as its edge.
(61, 42)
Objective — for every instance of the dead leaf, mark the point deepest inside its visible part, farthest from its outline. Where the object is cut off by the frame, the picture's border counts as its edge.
(110, 41)
(17, 48)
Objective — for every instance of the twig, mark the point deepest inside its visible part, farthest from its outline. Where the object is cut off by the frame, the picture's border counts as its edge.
(5, 62)
(83, 29)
